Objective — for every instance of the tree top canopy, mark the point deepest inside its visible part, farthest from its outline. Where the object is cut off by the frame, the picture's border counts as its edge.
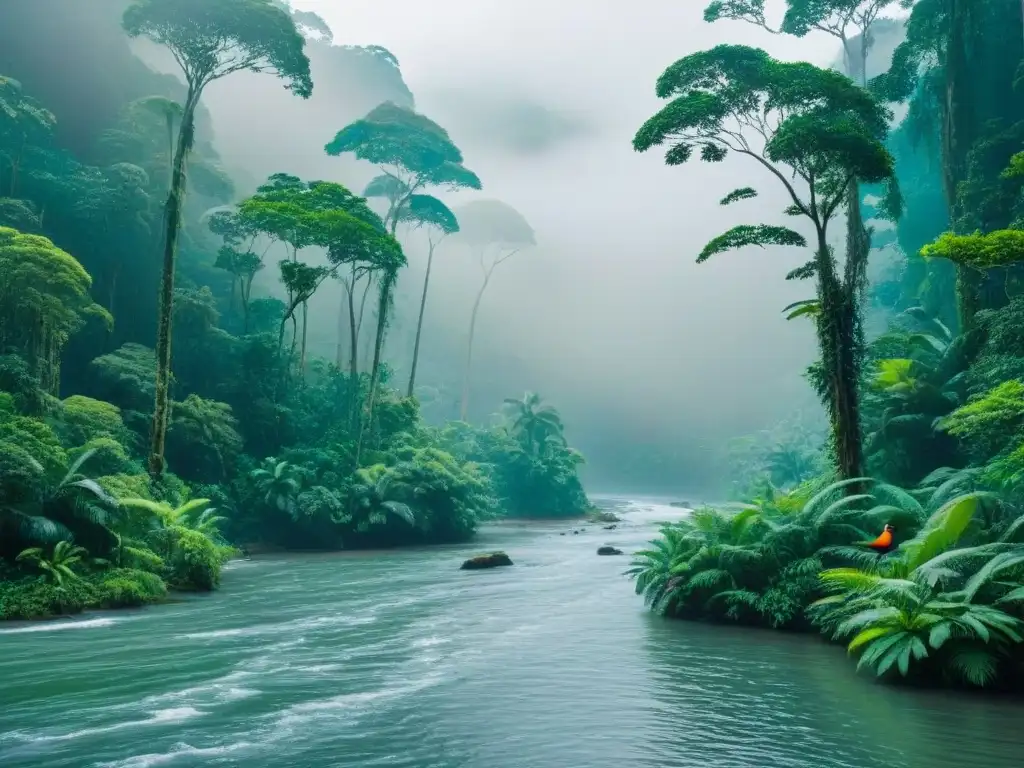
(391, 135)
(210, 40)
(317, 213)
(283, 189)
(492, 222)
(428, 211)
(834, 17)
(38, 275)
(815, 120)
(21, 114)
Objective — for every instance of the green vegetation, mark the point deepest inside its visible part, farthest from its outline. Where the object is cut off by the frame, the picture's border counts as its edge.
(926, 417)
(128, 470)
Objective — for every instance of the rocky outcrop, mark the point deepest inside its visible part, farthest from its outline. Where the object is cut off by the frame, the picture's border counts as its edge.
(608, 551)
(490, 560)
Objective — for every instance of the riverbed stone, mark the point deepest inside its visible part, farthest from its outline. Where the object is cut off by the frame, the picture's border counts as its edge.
(608, 551)
(489, 560)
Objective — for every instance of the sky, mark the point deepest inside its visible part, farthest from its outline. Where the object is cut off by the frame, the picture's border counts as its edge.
(610, 313)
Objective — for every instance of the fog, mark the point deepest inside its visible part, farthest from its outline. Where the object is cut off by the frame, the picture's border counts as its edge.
(653, 360)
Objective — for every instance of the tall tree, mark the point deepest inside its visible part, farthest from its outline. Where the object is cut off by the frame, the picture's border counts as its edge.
(413, 152)
(209, 40)
(852, 23)
(813, 130)
(23, 121)
(495, 232)
(429, 213)
(319, 214)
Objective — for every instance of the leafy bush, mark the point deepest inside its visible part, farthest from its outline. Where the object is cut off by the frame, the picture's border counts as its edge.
(34, 598)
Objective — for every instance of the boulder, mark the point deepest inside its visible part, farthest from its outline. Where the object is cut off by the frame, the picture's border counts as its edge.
(608, 551)
(490, 560)
(611, 527)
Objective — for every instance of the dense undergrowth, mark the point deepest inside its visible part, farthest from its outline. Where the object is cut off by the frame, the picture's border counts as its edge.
(255, 440)
(925, 413)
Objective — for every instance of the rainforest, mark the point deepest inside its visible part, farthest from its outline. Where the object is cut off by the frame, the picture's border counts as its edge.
(162, 406)
(284, 338)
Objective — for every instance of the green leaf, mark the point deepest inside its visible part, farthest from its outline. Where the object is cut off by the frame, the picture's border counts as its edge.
(761, 235)
(743, 193)
(866, 636)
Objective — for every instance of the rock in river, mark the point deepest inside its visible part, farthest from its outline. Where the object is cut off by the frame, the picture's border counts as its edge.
(608, 551)
(490, 560)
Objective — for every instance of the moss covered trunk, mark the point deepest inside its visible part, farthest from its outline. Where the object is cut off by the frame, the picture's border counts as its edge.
(172, 227)
(838, 329)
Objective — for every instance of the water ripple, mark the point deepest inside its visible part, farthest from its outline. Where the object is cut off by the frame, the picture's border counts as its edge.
(400, 659)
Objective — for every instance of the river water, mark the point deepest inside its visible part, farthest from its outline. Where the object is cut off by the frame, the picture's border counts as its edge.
(401, 659)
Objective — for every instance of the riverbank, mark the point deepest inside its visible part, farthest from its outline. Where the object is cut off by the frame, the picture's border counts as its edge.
(936, 599)
(28, 597)
(399, 658)
(32, 598)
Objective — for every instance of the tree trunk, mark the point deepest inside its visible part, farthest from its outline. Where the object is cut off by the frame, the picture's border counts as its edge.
(464, 409)
(172, 227)
(280, 333)
(359, 321)
(246, 293)
(849, 449)
(838, 338)
(353, 364)
(170, 148)
(384, 298)
(305, 326)
(234, 287)
(353, 335)
(295, 341)
(339, 347)
(419, 322)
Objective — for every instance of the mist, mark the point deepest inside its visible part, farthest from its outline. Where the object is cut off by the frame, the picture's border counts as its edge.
(654, 361)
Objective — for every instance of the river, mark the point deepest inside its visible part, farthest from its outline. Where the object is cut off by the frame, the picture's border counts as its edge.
(401, 659)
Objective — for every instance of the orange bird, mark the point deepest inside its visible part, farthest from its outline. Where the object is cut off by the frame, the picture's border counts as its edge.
(884, 541)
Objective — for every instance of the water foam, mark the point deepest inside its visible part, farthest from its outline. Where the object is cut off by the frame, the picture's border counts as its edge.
(177, 752)
(56, 626)
(285, 627)
(171, 716)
